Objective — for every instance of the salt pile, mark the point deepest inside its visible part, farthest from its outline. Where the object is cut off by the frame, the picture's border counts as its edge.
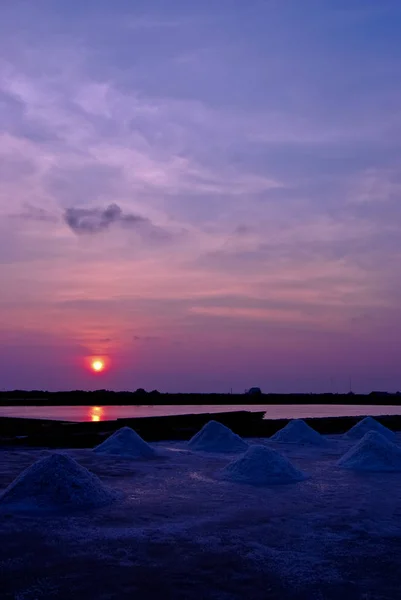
(55, 482)
(369, 424)
(262, 466)
(373, 452)
(298, 432)
(215, 437)
(126, 443)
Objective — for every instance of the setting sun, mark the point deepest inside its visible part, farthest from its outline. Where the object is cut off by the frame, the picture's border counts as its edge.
(97, 365)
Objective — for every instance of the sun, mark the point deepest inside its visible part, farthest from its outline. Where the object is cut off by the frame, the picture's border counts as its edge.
(97, 365)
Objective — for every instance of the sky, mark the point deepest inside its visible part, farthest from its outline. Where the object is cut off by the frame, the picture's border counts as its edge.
(205, 194)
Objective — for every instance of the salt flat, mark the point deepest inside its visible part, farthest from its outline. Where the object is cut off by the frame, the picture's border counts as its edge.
(179, 531)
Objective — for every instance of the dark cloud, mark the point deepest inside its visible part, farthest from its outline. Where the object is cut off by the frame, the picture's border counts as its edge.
(243, 230)
(95, 220)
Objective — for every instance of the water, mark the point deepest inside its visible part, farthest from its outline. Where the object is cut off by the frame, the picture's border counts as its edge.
(273, 411)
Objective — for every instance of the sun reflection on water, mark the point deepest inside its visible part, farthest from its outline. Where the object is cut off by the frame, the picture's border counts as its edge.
(96, 413)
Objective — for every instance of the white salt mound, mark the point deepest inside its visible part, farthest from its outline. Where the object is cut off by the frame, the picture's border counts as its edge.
(126, 443)
(298, 432)
(373, 452)
(262, 466)
(56, 482)
(369, 424)
(215, 437)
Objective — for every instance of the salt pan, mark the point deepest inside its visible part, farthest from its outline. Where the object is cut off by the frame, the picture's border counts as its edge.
(216, 437)
(126, 443)
(298, 432)
(369, 424)
(373, 452)
(55, 482)
(262, 466)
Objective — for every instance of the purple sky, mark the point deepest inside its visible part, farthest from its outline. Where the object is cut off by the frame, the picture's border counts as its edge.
(207, 193)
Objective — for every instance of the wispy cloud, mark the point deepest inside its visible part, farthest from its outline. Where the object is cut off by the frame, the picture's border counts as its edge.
(34, 213)
(156, 22)
(376, 185)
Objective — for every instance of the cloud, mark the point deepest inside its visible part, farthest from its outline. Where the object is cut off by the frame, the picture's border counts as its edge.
(243, 229)
(95, 220)
(90, 183)
(152, 22)
(146, 338)
(35, 213)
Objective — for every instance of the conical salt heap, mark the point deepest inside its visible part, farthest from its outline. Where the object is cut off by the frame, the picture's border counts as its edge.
(373, 452)
(298, 432)
(369, 424)
(54, 483)
(125, 443)
(215, 437)
(262, 466)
